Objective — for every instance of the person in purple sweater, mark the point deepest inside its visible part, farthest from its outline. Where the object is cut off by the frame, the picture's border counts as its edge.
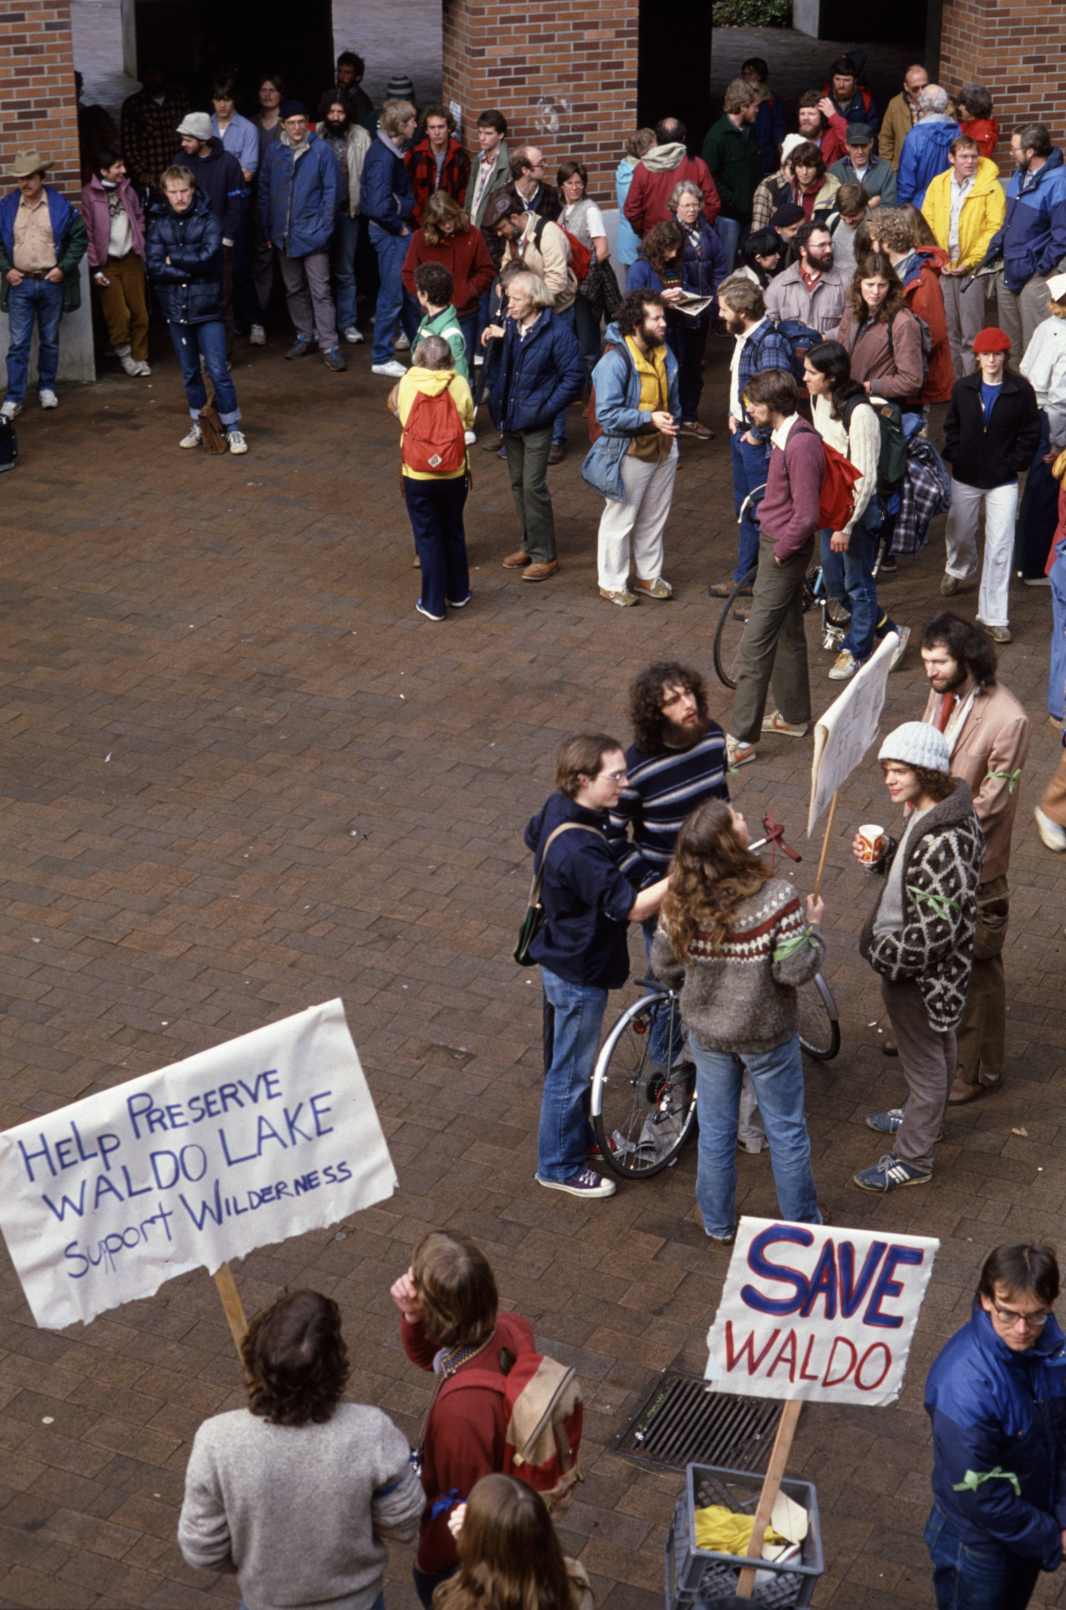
(774, 646)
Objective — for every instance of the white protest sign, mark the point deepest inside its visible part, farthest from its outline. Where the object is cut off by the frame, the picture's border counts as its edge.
(813, 1311)
(253, 1141)
(848, 728)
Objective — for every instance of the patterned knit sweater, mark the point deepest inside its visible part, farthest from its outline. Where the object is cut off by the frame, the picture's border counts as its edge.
(742, 997)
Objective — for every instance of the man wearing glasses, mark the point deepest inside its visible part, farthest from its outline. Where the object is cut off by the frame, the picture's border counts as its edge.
(996, 1396)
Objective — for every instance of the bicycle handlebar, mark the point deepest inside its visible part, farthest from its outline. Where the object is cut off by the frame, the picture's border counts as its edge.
(775, 836)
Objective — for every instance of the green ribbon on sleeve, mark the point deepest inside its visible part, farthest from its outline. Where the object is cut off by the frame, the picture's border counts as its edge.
(939, 902)
(1008, 777)
(789, 947)
(973, 1479)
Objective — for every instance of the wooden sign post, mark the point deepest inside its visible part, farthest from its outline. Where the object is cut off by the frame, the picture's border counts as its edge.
(786, 1430)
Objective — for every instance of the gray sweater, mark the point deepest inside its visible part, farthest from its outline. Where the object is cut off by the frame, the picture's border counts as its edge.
(294, 1507)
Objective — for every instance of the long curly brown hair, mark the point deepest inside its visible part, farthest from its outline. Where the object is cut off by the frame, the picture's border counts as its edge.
(646, 701)
(296, 1359)
(876, 266)
(665, 237)
(711, 873)
(510, 1557)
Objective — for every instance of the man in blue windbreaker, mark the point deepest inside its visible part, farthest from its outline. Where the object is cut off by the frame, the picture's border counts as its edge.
(1032, 241)
(996, 1396)
(299, 197)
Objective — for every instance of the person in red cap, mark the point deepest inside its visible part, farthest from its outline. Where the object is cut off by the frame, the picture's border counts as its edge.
(991, 433)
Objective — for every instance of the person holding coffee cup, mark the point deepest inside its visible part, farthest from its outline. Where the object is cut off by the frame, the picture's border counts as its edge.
(919, 937)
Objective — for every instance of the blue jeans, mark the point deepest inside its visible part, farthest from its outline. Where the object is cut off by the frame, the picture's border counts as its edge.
(849, 578)
(40, 301)
(658, 1049)
(567, 316)
(391, 250)
(210, 339)
(1056, 685)
(565, 1133)
(732, 233)
(435, 510)
(778, 1079)
(968, 1578)
(342, 261)
(468, 325)
(1038, 513)
(750, 468)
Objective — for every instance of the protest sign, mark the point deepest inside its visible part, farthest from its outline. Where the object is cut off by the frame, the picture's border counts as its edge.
(847, 729)
(269, 1135)
(816, 1312)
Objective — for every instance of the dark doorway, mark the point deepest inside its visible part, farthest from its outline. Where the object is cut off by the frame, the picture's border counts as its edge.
(674, 66)
(902, 23)
(193, 39)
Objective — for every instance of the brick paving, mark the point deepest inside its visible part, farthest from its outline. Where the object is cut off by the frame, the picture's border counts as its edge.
(240, 775)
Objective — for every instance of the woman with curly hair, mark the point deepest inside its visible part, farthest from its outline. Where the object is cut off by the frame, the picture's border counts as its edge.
(295, 1493)
(737, 943)
(510, 1557)
(660, 267)
(881, 336)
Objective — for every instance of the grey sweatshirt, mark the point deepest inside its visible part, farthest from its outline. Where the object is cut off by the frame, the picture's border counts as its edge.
(294, 1507)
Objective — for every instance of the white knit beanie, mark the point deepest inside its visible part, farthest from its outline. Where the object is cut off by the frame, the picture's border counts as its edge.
(790, 142)
(916, 743)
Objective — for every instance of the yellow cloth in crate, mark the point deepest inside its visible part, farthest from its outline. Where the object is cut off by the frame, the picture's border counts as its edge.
(722, 1531)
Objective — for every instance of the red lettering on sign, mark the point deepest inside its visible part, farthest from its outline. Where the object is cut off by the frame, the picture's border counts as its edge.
(869, 1386)
(841, 1341)
(733, 1358)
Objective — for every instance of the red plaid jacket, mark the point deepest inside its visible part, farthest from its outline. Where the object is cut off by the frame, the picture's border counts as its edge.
(422, 171)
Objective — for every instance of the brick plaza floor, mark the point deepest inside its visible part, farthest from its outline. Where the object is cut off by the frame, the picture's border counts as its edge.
(239, 775)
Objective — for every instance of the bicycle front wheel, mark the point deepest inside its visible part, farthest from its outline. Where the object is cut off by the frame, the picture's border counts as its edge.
(642, 1112)
(730, 633)
(819, 1026)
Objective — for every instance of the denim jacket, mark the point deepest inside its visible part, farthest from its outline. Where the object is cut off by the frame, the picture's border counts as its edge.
(618, 411)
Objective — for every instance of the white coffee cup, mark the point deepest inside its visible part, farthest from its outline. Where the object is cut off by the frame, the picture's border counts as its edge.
(872, 839)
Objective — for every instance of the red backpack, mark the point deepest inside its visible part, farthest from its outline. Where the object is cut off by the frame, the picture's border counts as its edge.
(580, 256)
(433, 441)
(836, 501)
(543, 1415)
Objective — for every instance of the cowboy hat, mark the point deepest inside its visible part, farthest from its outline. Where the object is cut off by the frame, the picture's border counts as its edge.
(27, 163)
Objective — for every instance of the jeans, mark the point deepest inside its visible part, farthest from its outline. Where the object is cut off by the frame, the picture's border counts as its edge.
(750, 468)
(1056, 686)
(391, 250)
(732, 233)
(565, 1133)
(658, 1049)
(42, 301)
(778, 1079)
(210, 339)
(567, 316)
(849, 578)
(435, 510)
(342, 261)
(1039, 512)
(468, 325)
(968, 1578)
(587, 330)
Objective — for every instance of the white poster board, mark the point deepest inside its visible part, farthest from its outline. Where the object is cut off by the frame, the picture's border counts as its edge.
(813, 1311)
(269, 1135)
(848, 728)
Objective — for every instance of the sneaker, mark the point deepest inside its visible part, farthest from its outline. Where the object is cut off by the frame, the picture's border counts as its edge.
(257, 336)
(886, 1123)
(583, 1183)
(10, 410)
(722, 1240)
(401, 343)
(904, 639)
(353, 335)
(459, 603)
(299, 349)
(949, 585)
(738, 754)
(195, 436)
(48, 399)
(889, 1174)
(775, 722)
(888, 566)
(1052, 834)
(726, 589)
(422, 610)
(336, 361)
(998, 634)
(237, 443)
(142, 368)
(470, 437)
(843, 666)
(391, 370)
(1036, 581)
(594, 1155)
(131, 366)
(624, 599)
(656, 589)
(692, 427)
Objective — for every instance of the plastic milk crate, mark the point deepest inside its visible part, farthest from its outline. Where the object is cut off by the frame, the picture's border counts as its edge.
(695, 1575)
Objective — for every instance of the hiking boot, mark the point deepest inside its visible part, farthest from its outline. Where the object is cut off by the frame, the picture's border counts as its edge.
(889, 1174)
(195, 436)
(583, 1183)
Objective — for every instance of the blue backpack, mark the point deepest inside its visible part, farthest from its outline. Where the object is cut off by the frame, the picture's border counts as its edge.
(801, 338)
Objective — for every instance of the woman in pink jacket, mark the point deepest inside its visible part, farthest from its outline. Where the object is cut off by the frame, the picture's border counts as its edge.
(115, 226)
(881, 336)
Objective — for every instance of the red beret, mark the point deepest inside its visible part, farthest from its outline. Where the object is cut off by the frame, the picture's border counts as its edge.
(992, 340)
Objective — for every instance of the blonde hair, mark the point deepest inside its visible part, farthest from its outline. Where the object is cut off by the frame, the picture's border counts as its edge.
(538, 292)
(178, 174)
(394, 114)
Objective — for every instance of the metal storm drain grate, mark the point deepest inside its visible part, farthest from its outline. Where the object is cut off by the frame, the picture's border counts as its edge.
(681, 1423)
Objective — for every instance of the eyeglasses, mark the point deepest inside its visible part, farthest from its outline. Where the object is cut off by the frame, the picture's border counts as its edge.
(615, 776)
(1008, 1317)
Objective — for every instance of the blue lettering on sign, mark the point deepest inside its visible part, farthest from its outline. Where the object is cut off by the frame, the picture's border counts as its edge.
(759, 1265)
(833, 1281)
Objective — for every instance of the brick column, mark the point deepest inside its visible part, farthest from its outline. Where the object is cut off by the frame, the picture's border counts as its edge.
(1014, 50)
(563, 75)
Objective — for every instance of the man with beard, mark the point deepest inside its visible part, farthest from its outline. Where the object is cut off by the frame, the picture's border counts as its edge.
(812, 290)
(349, 142)
(634, 461)
(987, 733)
(676, 762)
(825, 129)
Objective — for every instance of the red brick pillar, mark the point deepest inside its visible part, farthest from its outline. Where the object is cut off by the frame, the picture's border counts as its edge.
(1014, 49)
(563, 74)
(37, 102)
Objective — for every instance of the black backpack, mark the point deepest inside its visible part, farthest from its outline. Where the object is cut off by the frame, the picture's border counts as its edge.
(892, 458)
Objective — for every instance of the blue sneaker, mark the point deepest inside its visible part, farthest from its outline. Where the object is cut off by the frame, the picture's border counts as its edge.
(583, 1183)
(422, 610)
(889, 1174)
(886, 1123)
(459, 603)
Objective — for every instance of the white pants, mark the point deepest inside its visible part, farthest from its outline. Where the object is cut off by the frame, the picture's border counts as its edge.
(1000, 509)
(637, 524)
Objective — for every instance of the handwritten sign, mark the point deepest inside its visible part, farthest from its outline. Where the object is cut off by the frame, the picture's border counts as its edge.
(813, 1311)
(253, 1141)
(847, 729)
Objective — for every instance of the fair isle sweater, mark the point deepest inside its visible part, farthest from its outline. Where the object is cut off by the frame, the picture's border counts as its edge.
(742, 997)
(662, 791)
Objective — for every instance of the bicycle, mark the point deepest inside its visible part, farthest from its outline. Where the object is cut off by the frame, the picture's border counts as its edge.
(644, 1113)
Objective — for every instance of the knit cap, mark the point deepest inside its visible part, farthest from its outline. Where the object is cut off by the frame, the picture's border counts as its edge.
(786, 216)
(399, 88)
(790, 142)
(917, 743)
(197, 126)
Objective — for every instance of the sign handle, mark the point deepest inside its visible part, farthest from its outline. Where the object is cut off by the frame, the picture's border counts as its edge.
(825, 841)
(231, 1302)
(772, 1480)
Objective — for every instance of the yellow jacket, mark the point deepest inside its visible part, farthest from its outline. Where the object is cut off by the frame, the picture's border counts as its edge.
(433, 382)
(982, 212)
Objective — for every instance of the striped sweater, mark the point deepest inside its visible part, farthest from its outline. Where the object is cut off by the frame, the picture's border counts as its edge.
(742, 997)
(663, 790)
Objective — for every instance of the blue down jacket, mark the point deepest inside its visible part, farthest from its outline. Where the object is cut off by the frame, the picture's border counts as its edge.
(537, 376)
(619, 414)
(1033, 237)
(387, 198)
(189, 287)
(299, 194)
(1002, 1416)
